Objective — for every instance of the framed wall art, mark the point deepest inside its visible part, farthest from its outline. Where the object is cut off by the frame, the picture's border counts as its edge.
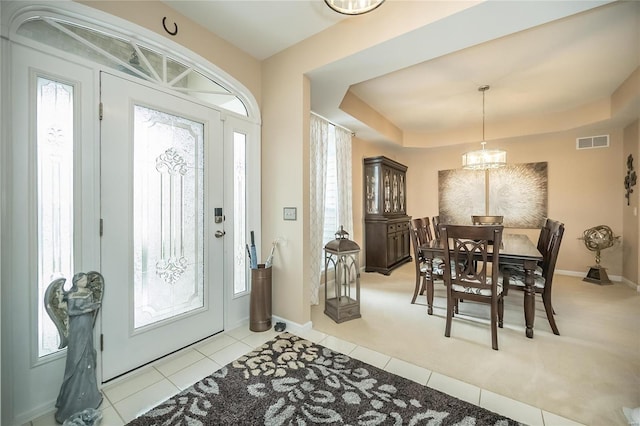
(518, 192)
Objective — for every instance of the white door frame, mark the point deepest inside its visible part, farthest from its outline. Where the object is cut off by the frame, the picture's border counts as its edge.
(30, 399)
(236, 306)
(26, 393)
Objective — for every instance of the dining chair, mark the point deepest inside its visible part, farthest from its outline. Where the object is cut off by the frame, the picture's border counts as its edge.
(549, 246)
(544, 241)
(421, 234)
(436, 223)
(419, 261)
(487, 220)
(462, 245)
(423, 226)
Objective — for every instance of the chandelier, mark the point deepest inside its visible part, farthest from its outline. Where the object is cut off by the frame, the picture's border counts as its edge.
(483, 159)
(353, 7)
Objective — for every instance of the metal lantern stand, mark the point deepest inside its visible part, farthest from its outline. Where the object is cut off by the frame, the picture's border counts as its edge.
(343, 255)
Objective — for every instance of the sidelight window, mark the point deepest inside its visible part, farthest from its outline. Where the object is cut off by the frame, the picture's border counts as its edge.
(240, 276)
(55, 195)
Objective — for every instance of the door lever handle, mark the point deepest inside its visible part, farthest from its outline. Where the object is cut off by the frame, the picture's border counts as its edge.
(219, 234)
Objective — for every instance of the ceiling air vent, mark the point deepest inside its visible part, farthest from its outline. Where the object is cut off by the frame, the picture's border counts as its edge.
(588, 142)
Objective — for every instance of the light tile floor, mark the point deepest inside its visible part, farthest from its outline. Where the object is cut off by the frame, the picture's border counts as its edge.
(143, 389)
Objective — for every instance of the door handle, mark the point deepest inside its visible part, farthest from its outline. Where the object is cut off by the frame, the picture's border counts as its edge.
(219, 234)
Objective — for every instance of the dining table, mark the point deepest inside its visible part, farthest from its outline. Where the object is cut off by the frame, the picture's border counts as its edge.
(516, 249)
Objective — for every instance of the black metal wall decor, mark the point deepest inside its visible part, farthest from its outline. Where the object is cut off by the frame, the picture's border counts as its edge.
(175, 27)
(630, 179)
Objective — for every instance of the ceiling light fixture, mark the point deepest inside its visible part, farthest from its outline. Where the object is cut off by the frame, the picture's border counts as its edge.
(483, 159)
(353, 7)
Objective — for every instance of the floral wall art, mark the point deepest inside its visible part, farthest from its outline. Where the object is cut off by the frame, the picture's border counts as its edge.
(518, 192)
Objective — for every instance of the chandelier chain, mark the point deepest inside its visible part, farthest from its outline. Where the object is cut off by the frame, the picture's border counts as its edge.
(483, 159)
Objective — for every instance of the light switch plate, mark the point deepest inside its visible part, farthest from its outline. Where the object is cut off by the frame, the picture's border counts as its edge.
(289, 213)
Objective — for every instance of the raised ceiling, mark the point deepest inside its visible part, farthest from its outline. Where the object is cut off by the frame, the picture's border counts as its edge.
(569, 66)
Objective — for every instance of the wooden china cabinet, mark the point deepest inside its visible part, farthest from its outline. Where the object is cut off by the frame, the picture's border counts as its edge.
(387, 227)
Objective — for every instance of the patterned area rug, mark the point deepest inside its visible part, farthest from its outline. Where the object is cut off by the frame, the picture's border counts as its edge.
(289, 380)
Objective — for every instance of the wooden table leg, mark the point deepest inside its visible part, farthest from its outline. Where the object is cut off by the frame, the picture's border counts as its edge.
(529, 297)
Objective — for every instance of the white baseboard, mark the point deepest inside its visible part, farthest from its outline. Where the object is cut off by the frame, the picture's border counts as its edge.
(613, 278)
(291, 325)
(34, 413)
(631, 284)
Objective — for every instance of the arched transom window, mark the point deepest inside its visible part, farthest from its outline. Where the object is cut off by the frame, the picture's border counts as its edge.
(132, 57)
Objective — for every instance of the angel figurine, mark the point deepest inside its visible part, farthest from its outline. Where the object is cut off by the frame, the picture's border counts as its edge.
(74, 313)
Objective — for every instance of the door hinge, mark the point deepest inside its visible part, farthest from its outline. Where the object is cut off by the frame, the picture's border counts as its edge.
(100, 110)
(101, 342)
(101, 226)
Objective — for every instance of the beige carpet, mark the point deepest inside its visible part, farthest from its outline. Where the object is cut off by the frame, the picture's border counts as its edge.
(587, 374)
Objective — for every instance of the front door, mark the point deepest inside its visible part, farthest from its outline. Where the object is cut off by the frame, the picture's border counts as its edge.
(161, 179)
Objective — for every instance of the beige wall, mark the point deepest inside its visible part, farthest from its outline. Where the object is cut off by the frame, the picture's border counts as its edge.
(285, 140)
(630, 218)
(285, 183)
(585, 187)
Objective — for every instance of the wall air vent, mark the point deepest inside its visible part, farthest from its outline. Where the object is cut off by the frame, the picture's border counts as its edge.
(588, 142)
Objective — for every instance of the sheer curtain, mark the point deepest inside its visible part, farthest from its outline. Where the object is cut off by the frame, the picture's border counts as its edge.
(345, 194)
(320, 135)
(319, 141)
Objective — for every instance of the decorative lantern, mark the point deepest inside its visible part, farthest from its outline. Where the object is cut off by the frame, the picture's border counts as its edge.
(342, 301)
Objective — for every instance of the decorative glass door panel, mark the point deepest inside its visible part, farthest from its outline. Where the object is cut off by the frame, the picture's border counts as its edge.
(162, 177)
(168, 215)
